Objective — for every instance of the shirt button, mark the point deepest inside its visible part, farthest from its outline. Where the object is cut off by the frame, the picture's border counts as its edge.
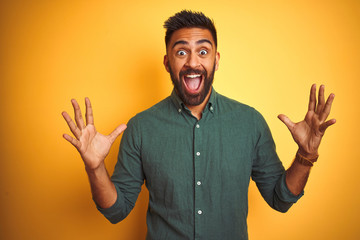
(198, 154)
(179, 110)
(198, 183)
(197, 126)
(199, 212)
(211, 108)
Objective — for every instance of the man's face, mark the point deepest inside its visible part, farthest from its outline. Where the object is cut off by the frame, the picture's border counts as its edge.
(191, 61)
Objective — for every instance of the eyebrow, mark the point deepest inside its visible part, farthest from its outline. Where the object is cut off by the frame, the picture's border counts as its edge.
(197, 42)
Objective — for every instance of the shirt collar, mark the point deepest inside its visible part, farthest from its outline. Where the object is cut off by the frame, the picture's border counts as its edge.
(180, 106)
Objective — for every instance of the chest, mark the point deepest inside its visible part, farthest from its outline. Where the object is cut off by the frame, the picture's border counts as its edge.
(178, 153)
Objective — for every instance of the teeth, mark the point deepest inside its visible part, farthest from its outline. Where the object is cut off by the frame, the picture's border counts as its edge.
(193, 76)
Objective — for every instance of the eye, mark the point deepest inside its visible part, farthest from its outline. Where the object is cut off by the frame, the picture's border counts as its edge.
(181, 53)
(203, 52)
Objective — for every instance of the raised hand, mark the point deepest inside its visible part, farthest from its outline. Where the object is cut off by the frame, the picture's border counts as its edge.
(92, 146)
(309, 132)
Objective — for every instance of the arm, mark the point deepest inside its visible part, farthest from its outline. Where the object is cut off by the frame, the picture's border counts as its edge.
(307, 134)
(268, 171)
(93, 148)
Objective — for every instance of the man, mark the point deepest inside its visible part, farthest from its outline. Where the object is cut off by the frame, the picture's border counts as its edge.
(196, 150)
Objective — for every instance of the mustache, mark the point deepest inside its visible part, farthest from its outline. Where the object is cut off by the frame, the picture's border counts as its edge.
(192, 71)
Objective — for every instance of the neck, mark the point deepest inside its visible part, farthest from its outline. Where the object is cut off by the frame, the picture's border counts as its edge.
(197, 110)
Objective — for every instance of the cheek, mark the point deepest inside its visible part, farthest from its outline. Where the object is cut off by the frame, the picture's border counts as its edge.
(209, 66)
(177, 66)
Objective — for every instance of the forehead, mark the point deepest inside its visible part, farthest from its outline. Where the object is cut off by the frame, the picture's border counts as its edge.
(191, 35)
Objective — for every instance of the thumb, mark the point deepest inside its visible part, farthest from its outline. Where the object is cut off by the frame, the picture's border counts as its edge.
(326, 124)
(286, 121)
(112, 136)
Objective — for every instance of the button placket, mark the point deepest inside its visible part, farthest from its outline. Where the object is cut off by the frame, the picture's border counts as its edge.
(197, 176)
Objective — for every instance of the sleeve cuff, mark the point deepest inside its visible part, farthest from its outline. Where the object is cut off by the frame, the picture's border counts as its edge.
(111, 212)
(284, 193)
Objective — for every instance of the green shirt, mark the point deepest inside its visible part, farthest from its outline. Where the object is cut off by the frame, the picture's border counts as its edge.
(197, 171)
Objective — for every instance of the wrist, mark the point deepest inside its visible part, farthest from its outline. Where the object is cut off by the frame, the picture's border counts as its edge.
(306, 161)
(308, 154)
(95, 170)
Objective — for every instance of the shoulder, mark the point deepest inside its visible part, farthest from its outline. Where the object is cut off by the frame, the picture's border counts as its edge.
(157, 111)
(239, 114)
(147, 120)
(227, 105)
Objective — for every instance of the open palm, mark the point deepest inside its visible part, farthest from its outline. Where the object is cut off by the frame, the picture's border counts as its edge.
(92, 146)
(309, 132)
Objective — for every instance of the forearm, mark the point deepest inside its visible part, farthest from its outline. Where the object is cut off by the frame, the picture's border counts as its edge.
(297, 175)
(102, 189)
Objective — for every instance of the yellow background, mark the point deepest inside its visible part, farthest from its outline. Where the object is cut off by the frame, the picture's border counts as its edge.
(112, 51)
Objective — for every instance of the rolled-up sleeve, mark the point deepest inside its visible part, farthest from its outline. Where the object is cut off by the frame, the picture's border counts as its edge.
(128, 176)
(268, 171)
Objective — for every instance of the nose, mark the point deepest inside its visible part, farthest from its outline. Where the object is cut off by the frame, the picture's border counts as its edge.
(193, 61)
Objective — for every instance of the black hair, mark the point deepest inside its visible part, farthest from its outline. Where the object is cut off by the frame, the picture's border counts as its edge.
(188, 19)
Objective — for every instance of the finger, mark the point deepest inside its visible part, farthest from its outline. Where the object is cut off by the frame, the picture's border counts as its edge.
(326, 111)
(112, 136)
(290, 125)
(312, 101)
(326, 124)
(321, 100)
(73, 141)
(73, 128)
(78, 117)
(89, 113)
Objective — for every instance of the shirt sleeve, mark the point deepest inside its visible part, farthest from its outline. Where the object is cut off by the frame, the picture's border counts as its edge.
(128, 175)
(268, 171)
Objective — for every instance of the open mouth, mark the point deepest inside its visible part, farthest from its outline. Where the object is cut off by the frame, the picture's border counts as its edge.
(193, 82)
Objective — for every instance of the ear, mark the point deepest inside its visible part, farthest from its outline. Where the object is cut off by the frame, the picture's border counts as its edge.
(166, 63)
(217, 58)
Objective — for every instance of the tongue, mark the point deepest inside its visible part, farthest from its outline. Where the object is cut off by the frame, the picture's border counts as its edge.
(193, 83)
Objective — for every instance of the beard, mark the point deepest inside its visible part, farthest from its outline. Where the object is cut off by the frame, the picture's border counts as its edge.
(188, 98)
